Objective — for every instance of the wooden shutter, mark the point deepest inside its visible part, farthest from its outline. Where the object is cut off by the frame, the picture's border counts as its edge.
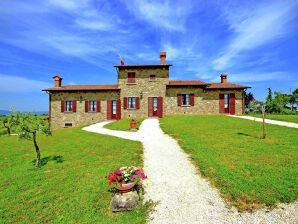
(86, 106)
(124, 103)
(98, 106)
(192, 99)
(150, 106)
(131, 77)
(118, 109)
(137, 103)
(221, 103)
(109, 109)
(159, 107)
(179, 100)
(232, 103)
(74, 106)
(62, 106)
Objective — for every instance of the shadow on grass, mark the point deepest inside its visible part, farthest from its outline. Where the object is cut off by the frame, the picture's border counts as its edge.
(248, 135)
(45, 160)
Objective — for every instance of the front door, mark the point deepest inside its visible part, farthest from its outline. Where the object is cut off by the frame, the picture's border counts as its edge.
(227, 103)
(114, 111)
(155, 106)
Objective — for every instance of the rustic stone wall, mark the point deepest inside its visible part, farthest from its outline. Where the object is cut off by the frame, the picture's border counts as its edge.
(205, 102)
(80, 117)
(143, 88)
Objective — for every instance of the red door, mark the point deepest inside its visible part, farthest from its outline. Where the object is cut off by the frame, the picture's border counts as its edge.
(232, 103)
(155, 106)
(227, 103)
(113, 109)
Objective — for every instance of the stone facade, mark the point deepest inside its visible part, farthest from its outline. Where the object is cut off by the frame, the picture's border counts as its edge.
(80, 117)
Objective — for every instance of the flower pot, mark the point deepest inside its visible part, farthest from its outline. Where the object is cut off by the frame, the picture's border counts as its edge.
(133, 125)
(126, 187)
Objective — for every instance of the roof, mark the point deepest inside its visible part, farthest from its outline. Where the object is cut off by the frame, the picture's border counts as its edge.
(84, 88)
(186, 83)
(143, 66)
(226, 85)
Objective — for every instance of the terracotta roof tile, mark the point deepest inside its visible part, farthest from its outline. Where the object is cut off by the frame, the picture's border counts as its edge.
(84, 87)
(139, 66)
(227, 85)
(186, 83)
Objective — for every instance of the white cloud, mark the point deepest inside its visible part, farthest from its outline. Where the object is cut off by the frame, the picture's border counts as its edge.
(255, 27)
(17, 84)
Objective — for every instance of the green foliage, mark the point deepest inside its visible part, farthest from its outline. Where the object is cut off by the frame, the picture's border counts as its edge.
(71, 185)
(248, 170)
(277, 104)
(269, 96)
(279, 117)
(255, 106)
(8, 122)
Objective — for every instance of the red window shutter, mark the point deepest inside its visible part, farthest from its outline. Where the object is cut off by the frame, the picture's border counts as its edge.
(118, 109)
(124, 103)
(109, 109)
(192, 99)
(86, 106)
(131, 77)
(159, 107)
(74, 106)
(137, 103)
(179, 100)
(62, 106)
(98, 106)
(221, 103)
(232, 103)
(150, 106)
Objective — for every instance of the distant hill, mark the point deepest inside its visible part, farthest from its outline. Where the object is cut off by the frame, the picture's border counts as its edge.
(5, 112)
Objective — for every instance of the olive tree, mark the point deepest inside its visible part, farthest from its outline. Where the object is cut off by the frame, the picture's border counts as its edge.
(28, 127)
(9, 121)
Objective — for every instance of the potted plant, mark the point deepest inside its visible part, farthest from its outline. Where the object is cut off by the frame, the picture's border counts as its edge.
(133, 124)
(125, 178)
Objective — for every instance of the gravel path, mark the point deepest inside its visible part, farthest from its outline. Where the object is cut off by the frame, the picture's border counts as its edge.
(183, 196)
(280, 123)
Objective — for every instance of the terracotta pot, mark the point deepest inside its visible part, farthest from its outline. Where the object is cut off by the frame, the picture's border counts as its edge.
(126, 187)
(133, 124)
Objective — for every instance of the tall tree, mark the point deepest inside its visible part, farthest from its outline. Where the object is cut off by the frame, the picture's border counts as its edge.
(28, 127)
(294, 98)
(248, 97)
(269, 97)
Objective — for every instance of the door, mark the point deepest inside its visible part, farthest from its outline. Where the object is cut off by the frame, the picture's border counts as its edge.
(155, 106)
(113, 109)
(227, 103)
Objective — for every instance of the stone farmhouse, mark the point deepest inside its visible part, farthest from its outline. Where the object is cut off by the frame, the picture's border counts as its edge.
(142, 91)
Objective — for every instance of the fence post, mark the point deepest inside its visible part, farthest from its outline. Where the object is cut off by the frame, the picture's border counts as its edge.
(264, 128)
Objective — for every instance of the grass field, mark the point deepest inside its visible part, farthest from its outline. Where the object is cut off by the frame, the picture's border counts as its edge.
(287, 118)
(70, 186)
(248, 170)
(123, 124)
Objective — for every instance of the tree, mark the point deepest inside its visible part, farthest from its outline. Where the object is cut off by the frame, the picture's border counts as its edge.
(28, 127)
(294, 98)
(269, 97)
(278, 104)
(9, 121)
(255, 106)
(248, 98)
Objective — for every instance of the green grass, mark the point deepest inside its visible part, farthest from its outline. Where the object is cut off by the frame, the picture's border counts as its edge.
(70, 186)
(123, 124)
(287, 118)
(248, 170)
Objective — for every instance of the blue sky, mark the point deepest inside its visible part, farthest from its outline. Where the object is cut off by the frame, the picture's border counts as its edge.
(254, 42)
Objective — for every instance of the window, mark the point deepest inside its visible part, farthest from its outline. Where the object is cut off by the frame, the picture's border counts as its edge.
(154, 104)
(152, 77)
(114, 106)
(131, 102)
(185, 99)
(68, 106)
(131, 77)
(92, 106)
(226, 101)
(67, 124)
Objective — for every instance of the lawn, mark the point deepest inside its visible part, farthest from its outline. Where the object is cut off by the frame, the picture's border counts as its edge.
(70, 187)
(278, 117)
(123, 124)
(249, 171)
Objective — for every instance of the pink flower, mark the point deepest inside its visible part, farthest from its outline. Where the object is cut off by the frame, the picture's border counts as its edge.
(138, 172)
(133, 176)
(143, 177)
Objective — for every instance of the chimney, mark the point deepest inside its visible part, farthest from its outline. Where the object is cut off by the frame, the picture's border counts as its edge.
(58, 80)
(163, 56)
(223, 78)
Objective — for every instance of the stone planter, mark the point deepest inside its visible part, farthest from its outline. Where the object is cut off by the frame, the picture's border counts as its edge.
(133, 125)
(125, 187)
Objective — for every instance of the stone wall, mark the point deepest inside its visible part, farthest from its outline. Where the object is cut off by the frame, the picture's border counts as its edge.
(205, 102)
(80, 117)
(143, 88)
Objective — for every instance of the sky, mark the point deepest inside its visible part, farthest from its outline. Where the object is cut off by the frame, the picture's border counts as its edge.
(254, 42)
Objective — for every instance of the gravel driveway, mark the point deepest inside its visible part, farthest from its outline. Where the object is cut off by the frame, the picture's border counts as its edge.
(183, 196)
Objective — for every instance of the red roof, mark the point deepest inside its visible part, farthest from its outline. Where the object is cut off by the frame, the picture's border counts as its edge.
(186, 83)
(84, 88)
(226, 85)
(140, 66)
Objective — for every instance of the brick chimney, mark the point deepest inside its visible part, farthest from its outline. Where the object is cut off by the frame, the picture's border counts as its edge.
(163, 56)
(58, 80)
(223, 78)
